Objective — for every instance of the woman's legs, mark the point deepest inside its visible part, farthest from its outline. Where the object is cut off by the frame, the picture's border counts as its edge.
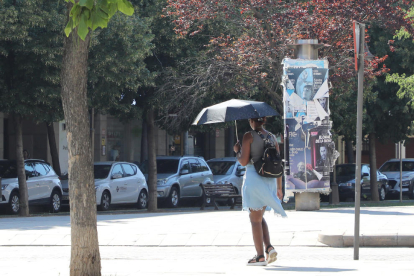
(256, 219)
(265, 229)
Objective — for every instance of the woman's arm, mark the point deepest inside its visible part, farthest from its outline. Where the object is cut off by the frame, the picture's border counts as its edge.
(244, 155)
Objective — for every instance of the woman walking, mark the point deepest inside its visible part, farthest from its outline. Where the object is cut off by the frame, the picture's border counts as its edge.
(259, 193)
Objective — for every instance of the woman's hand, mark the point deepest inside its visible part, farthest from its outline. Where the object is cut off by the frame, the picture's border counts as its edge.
(280, 194)
(237, 147)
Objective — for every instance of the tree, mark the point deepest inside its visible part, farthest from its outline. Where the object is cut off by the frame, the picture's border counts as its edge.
(266, 28)
(30, 55)
(84, 16)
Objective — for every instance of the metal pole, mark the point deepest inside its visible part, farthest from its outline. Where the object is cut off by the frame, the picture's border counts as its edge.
(400, 153)
(359, 138)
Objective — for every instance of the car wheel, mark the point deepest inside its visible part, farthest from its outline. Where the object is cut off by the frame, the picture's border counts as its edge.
(105, 201)
(382, 194)
(174, 198)
(14, 203)
(142, 200)
(55, 202)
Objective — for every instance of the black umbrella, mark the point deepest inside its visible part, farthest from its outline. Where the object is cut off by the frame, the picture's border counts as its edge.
(233, 110)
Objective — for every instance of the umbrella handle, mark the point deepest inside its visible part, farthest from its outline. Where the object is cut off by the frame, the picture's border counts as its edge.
(237, 136)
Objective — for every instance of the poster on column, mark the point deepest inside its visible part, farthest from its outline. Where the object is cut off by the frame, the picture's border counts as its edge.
(309, 148)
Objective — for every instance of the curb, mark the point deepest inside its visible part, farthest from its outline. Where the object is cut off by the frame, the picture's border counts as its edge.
(373, 240)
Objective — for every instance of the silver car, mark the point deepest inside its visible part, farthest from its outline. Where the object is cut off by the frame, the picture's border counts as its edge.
(116, 183)
(391, 169)
(179, 177)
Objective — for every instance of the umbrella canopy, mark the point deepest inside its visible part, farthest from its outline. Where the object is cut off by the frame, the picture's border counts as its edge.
(233, 110)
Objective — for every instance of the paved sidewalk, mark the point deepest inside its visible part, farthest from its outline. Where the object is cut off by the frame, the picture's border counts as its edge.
(212, 242)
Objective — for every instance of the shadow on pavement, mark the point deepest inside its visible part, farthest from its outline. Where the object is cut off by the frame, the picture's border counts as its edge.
(366, 212)
(307, 269)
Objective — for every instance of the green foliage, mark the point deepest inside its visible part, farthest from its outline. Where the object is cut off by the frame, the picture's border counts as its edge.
(88, 15)
(30, 57)
(389, 112)
(117, 71)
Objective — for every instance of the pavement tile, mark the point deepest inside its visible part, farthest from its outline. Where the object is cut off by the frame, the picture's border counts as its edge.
(226, 238)
(202, 239)
(151, 239)
(48, 239)
(175, 239)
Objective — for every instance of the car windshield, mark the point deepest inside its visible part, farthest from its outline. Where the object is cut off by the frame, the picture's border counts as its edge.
(221, 167)
(101, 171)
(345, 171)
(407, 166)
(8, 170)
(167, 166)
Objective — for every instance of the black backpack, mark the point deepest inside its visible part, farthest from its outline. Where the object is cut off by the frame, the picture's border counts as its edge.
(270, 164)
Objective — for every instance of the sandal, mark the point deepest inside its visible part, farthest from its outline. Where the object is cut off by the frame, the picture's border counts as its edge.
(272, 254)
(255, 261)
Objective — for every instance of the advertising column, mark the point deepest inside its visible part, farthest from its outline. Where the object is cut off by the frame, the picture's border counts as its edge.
(310, 152)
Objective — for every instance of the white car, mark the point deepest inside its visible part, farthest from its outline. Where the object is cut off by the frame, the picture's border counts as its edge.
(116, 183)
(43, 185)
(227, 170)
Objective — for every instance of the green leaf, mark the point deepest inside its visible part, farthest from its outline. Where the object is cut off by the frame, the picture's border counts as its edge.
(125, 7)
(99, 19)
(68, 28)
(83, 29)
(113, 8)
(86, 3)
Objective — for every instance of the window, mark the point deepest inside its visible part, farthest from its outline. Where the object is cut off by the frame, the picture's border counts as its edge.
(195, 166)
(135, 169)
(101, 171)
(365, 169)
(167, 166)
(30, 172)
(117, 170)
(40, 170)
(185, 165)
(222, 167)
(129, 171)
(47, 167)
(203, 166)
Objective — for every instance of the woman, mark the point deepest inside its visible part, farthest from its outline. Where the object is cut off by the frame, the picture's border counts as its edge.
(259, 192)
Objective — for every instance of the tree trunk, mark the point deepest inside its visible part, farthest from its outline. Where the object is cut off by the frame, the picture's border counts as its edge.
(21, 173)
(373, 168)
(144, 140)
(53, 148)
(152, 163)
(85, 257)
(349, 151)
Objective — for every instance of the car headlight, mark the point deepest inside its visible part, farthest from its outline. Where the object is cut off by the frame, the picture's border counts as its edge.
(349, 184)
(161, 182)
(4, 186)
(406, 182)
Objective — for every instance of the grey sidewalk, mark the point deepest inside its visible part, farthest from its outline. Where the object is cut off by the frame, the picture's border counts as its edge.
(380, 226)
(209, 243)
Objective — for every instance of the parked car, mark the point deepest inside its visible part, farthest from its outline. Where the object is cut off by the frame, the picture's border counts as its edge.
(391, 169)
(117, 183)
(227, 170)
(43, 185)
(179, 177)
(345, 177)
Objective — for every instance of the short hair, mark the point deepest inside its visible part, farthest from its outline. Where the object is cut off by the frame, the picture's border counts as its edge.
(300, 164)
